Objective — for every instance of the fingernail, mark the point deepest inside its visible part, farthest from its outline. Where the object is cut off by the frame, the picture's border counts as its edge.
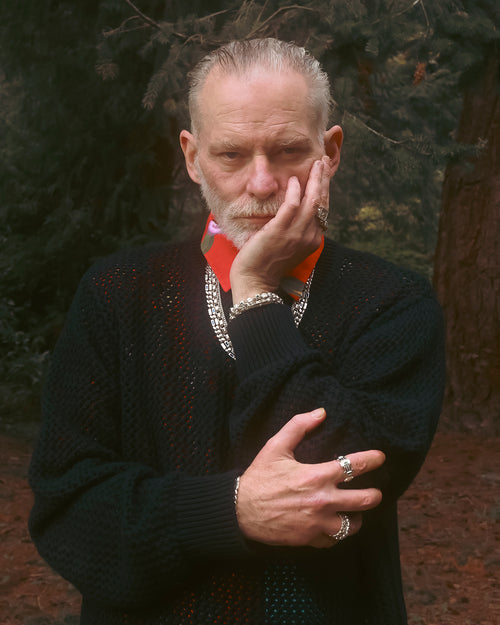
(319, 413)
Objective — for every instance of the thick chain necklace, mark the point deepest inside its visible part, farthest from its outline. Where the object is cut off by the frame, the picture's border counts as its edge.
(218, 318)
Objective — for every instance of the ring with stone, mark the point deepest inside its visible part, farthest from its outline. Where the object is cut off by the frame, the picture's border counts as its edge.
(322, 215)
(346, 465)
(345, 526)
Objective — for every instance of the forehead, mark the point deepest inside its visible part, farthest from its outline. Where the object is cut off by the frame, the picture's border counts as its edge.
(259, 105)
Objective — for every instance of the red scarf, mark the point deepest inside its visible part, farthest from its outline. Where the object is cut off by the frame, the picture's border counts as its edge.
(220, 253)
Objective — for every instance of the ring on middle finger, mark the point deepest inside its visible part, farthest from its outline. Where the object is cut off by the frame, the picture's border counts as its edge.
(346, 465)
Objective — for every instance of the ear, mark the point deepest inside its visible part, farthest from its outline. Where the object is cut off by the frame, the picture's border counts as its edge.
(333, 143)
(190, 149)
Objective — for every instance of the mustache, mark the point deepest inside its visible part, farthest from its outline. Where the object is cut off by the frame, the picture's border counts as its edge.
(254, 208)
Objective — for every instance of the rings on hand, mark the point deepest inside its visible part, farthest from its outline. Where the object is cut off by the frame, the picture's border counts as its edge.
(345, 526)
(322, 216)
(345, 463)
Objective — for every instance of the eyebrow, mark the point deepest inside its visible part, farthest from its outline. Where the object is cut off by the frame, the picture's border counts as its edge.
(299, 141)
(228, 145)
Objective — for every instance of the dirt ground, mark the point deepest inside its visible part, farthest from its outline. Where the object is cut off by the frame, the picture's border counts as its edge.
(450, 540)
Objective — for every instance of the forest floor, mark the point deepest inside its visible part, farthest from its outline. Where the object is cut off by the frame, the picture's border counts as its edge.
(449, 529)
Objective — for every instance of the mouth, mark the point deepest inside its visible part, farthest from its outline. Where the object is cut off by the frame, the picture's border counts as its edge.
(257, 219)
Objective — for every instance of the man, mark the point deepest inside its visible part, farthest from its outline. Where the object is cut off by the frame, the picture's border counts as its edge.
(226, 433)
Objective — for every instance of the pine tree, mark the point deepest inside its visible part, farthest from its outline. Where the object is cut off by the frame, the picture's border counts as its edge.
(467, 270)
(96, 98)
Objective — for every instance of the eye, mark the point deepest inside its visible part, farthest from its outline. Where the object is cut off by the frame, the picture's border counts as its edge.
(291, 151)
(230, 156)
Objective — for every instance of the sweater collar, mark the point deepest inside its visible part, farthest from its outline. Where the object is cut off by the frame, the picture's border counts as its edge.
(220, 254)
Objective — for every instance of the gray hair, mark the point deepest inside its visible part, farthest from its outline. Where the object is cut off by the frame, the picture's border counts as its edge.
(239, 57)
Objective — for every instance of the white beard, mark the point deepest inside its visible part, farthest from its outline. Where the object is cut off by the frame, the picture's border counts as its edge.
(227, 214)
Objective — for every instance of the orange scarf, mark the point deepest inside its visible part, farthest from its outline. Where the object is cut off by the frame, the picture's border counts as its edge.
(220, 253)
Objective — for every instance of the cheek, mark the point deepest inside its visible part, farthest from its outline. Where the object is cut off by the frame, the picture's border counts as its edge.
(228, 185)
(302, 174)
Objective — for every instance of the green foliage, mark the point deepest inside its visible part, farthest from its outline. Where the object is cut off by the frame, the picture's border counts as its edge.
(21, 366)
(93, 98)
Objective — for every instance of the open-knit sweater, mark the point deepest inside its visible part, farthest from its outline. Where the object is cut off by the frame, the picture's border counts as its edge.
(147, 422)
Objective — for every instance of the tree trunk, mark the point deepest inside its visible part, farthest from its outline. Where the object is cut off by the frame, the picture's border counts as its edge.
(467, 267)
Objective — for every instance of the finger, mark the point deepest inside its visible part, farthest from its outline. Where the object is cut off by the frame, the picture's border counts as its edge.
(357, 500)
(316, 193)
(294, 431)
(326, 540)
(354, 521)
(325, 191)
(361, 462)
(330, 168)
(292, 195)
(291, 203)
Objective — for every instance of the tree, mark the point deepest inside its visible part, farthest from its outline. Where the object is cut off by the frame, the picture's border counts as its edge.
(398, 70)
(83, 171)
(95, 98)
(467, 267)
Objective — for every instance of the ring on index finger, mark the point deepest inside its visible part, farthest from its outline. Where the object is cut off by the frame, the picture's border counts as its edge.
(346, 465)
(322, 216)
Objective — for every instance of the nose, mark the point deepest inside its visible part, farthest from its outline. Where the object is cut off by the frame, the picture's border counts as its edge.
(262, 182)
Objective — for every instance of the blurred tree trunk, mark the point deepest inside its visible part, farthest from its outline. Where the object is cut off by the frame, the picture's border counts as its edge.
(467, 267)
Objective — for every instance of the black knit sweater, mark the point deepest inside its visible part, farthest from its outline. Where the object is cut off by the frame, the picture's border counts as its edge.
(147, 422)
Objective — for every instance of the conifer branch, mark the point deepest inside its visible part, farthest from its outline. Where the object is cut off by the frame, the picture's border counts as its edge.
(425, 14)
(275, 14)
(369, 128)
(122, 28)
(189, 38)
(264, 6)
(403, 11)
(208, 17)
(143, 15)
(157, 25)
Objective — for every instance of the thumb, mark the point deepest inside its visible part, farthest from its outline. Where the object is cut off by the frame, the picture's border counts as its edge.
(294, 431)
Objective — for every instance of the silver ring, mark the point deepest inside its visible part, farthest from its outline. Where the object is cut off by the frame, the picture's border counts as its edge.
(345, 526)
(345, 463)
(322, 215)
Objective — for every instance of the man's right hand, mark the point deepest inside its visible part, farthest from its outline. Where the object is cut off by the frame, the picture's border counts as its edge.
(284, 241)
(284, 502)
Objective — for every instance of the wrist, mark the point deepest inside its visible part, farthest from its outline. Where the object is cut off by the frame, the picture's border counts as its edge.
(241, 293)
(243, 287)
(260, 299)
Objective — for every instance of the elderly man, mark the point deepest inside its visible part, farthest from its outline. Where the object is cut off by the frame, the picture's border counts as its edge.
(227, 429)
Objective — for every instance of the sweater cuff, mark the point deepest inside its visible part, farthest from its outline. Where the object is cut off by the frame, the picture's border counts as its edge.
(264, 335)
(206, 514)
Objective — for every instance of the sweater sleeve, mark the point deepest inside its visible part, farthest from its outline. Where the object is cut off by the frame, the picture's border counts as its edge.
(122, 532)
(381, 387)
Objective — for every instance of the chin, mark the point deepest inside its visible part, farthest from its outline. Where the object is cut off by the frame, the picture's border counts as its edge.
(237, 236)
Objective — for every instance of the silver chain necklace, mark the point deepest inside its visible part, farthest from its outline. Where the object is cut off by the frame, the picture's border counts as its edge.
(218, 318)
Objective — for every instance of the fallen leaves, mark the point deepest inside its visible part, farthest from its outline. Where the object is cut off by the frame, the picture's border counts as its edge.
(449, 539)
